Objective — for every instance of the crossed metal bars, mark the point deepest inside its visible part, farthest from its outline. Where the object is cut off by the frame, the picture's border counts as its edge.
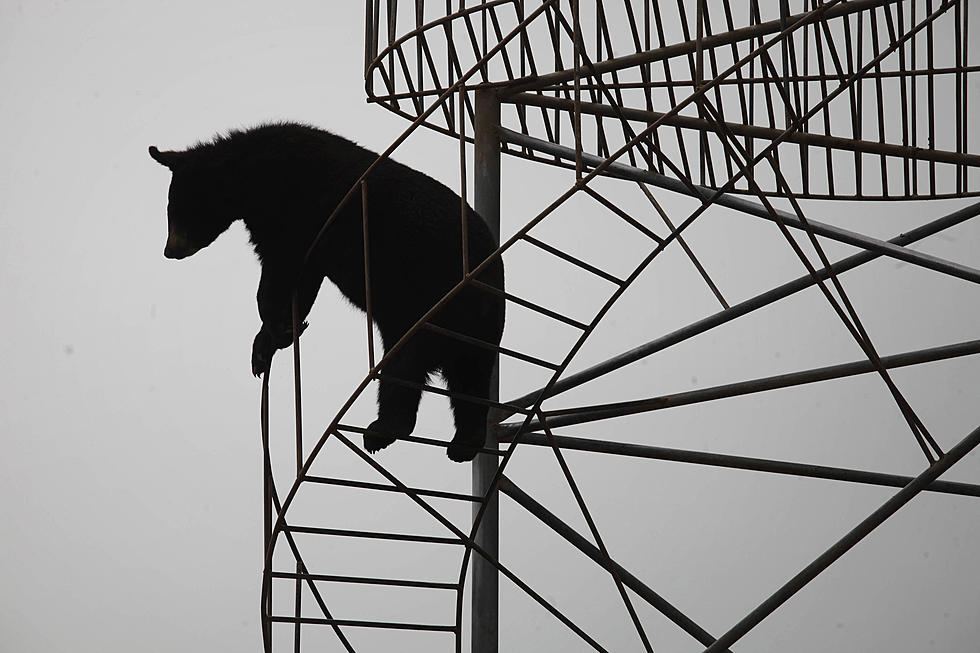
(908, 113)
(649, 165)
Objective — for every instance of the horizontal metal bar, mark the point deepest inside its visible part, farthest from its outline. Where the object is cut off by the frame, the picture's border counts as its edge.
(476, 342)
(414, 438)
(573, 260)
(322, 480)
(361, 580)
(678, 83)
(508, 487)
(846, 543)
(567, 417)
(425, 387)
(747, 463)
(748, 207)
(737, 81)
(475, 547)
(743, 308)
(355, 623)
(750, 131)
(373, 535)
(692, 46)
(531, 305)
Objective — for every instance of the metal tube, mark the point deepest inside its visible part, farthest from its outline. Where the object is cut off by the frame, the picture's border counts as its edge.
(690, 47)
(753, 131)
(363, 580)
(354, 623)
(749, 305)
(584, 414)
(744, 462)
(572, 537)
(751, 208)
(486, 200)
(842, 546)
(381, 487)
(372, 535)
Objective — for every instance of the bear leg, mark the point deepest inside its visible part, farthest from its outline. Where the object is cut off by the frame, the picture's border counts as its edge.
(398, 404)
(469, 375)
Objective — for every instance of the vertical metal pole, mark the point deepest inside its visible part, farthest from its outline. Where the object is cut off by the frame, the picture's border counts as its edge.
(486, 201)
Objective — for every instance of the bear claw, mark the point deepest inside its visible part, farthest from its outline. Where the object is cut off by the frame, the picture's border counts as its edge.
(383, 435)
(460, 453)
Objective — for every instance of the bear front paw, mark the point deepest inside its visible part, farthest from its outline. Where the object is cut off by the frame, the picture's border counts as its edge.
(263, 348)
(282, 334)
(381, 434)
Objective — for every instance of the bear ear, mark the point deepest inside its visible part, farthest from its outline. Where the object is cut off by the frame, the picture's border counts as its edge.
(170, 159)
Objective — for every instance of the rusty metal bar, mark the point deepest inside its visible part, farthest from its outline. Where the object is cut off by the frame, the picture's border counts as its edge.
(846, 543)
(367, 274)
(276, 507)
(362, 580)
(586, 414)
(531, 305)
(690, 46)
(371, 535)
(476, 342)
(752, 131)
(572, 537)
(356, 623)
(572, 259)
(484, 621)
(409, 438)
(622, 171)
(594, 530)
(749, 305)
(471, 546)
(365, 485)
(473, 399)
(747, 463)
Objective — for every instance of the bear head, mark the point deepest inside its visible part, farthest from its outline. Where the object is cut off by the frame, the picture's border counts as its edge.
(199, 207)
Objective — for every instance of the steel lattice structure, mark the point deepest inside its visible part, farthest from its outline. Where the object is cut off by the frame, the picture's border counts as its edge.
(750, 106)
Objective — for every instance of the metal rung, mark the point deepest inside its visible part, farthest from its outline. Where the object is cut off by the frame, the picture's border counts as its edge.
(416, 439)
(488, 345)
(354, 623)
(390, 488)
(425, 387)
(573, 260)
(373, 535)
(531, 305)
(568, 443)
(360, 580)
(633, 222)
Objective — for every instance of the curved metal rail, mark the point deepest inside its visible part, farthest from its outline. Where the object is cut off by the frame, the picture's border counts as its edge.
(901, 130)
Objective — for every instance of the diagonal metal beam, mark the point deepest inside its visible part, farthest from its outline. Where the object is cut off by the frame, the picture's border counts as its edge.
(743, 308)
(749, 207)
(749, 131)
(586, 414)
(692, 46)
(570, 535)
(744, 462)
(846, 543)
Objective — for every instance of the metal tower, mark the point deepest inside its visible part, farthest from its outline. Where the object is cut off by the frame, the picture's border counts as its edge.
(690, 109)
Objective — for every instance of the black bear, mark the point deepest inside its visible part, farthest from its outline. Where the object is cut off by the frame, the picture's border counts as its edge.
(284, 180)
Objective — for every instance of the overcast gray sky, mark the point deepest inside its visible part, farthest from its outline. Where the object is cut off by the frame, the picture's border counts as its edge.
(130, 483)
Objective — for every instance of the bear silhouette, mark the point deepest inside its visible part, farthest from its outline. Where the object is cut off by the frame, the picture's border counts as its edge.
(284, 180)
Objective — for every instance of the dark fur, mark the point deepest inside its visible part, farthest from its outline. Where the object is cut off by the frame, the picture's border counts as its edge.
(284, 180)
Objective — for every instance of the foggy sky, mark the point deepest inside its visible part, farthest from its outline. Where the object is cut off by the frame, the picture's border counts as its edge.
(130, 483)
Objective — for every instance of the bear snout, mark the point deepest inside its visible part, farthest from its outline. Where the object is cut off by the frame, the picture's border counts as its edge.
(178, 247)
